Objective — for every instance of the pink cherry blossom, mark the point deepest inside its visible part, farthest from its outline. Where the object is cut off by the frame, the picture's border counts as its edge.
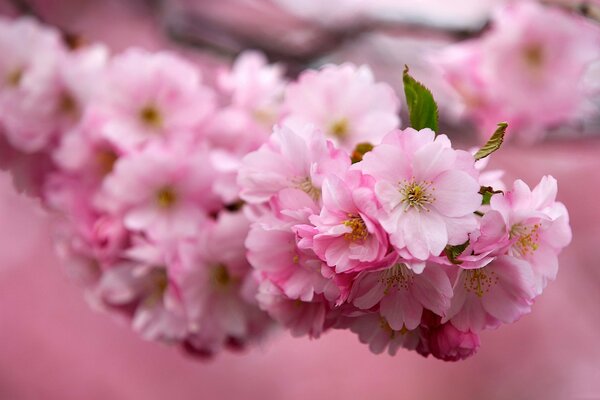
(274, 253)
(344, 102)
(427, 190)
(145, 287)
(27, 81)
(291, 159)
(302, 318)
(212, 271)
(254, 90)
(401, 294)
(348, 236)
(161, 191)
(85, 152)
(153, 97)
(540, 52)
(500, 292)
(372, 329)
(449, 344)
(537, 225)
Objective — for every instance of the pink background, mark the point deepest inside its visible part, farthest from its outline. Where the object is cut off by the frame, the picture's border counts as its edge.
(53, 346)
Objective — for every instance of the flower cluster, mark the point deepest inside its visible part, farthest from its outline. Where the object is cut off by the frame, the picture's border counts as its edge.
(541, 53)
(139, 157)
(205, 215)
(404, 248)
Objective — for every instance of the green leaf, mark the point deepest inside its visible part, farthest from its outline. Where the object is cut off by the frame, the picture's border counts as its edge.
(452, 252)
(360, 150)
(493, 143)
(422, 109)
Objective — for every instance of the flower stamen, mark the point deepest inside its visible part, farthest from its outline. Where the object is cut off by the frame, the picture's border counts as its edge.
(166, 197)
(479, 281)
(417, 195)
(359, 228)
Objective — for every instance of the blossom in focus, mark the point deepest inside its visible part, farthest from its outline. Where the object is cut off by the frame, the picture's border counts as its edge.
(291, 159)
(500, 292)
(347, 233)
(344, 102)
(402, 294)
(427, 192)
(538, 226)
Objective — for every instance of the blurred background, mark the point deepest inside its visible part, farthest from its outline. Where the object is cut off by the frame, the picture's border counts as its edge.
(53, 346)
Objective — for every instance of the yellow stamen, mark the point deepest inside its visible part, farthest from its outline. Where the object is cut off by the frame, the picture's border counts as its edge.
(307, 187)
(359, 229)
(105, 160)
(534, 55)
(221, 276)
(398, 277)
(151, 116)
(166, 197)
(340, 128)
(417, 195)
(14, 77)
(479, 281)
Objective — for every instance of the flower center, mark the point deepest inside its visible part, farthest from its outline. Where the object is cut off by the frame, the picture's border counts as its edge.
(398, 276)
(528, 237)
(220, 276)
(534, 55)
(14, 77)
(158, 284)
(359, 229)
(68, 105)
(339, 128)
(479, 281)
(151, 116)
(166, 197)
(417, 195)
(105, 160)
(307, 187)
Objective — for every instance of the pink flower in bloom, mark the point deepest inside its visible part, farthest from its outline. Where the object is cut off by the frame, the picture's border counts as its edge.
(428, 191)
(30, 54)
(255, 90)
(529, 46)
(344, 102)
(145, 286)
(290, 159)
(254, 85)
(212, 271)
(500, 292)
(274, 253)
(85, 152)
(348, 236)
(374, 330)
(449, 344)
(402, 294)
(300, 317)
(153, 97)
(165, 192)
(538, 226)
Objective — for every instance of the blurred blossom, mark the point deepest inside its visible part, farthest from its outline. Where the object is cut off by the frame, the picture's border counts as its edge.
(527, 70)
